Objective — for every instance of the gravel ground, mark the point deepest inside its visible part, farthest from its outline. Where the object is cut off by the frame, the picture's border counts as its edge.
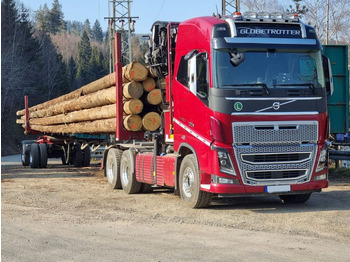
(68, 214)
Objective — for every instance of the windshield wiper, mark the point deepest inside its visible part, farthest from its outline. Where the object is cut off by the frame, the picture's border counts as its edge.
(263, 85)
(310, 85)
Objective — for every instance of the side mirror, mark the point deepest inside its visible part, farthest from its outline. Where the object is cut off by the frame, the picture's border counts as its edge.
(236, 57)
(327, 71)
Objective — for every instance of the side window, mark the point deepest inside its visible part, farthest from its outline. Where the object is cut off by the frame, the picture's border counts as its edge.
(202, 75)
(182, 76)
(193, 73)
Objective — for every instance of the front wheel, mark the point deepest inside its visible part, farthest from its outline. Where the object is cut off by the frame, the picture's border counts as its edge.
(190, 183)
(295, 199)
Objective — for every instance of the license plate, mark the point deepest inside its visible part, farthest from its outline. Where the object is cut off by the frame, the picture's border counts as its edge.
(277, 189)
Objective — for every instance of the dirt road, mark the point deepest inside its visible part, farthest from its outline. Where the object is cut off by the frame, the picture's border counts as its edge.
(67, 214)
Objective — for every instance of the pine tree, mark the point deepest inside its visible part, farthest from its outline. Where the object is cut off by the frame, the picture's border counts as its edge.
(72, 72)
(84, 56)
(97, 32)
(87, 27)
(56, 22)
(42, 18)
(96, 64)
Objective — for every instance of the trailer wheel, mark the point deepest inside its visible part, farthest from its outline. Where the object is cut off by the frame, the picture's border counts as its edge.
(34, 156)
(295, 199)
(190, 182)
(43, 155)
(129, 183)
(25, 153)
(86, 156)
(77, 156)
(112, 168)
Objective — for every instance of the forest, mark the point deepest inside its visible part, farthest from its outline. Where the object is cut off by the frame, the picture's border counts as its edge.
(47, 56)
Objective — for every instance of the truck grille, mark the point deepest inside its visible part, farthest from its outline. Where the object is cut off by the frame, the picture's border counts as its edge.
(275, 153)
(268, 175)
(283, 132)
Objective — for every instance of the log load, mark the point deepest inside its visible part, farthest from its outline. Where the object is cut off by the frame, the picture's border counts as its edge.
(94, 86)
(92, 108)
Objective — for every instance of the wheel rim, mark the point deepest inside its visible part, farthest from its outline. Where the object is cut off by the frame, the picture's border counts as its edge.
(110, 172)
(124, 171)
(31, 158)
(188, 182)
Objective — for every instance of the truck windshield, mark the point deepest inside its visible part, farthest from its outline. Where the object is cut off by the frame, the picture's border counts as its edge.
(268, 69)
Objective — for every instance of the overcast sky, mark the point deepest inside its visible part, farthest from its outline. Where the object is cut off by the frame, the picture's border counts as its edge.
(148, 11)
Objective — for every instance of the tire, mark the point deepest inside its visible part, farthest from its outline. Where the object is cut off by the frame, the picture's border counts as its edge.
(189, 184)
(43, 155)
(77, 156)
(34, 156)
(146, 188)
(295, 199)
(86, 156)
(25, 153)
(129, 183)
(112, 168)
(64, 155)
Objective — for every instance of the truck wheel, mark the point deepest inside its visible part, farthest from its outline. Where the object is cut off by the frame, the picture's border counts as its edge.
(34, 156)
(43, 155)
(112, 168)
(129, 183)
(294, 199)
(86, 156)
(189, 184)
(146, 188)
(25, 153)
(78, 156)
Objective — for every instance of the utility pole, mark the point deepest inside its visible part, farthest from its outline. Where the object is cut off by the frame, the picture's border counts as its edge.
(327, 23)
(229, 7)
(121, 21)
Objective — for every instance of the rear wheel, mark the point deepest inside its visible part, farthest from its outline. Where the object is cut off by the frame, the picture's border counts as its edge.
(34, 156)
(43, 155)
(190, 183)
(112, 168)
(25, 153)
(78, 156)
(294, 199)
(129, 183)
(86, 156)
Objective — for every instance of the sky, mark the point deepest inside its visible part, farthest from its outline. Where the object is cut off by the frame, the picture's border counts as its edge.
(148, 11)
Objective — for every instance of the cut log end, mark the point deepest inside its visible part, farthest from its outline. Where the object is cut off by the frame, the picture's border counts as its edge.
(154, 97)
(151, 121)
(133, 106)
(132, 123)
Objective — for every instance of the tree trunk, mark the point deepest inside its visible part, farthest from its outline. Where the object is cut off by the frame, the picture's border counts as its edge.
(132, 90)
(149, 84)
(132, 122)
(151, 121)
(154, 97)
(99, 98)
(89, 127)
(133, 106)
(92, 87)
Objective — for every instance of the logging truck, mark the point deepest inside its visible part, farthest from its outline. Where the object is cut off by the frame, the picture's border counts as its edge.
(242, 111)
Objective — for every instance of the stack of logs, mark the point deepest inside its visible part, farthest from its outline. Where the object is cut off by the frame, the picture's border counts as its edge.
(92, 108)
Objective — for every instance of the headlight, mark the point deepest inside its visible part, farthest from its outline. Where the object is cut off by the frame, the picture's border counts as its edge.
(225, 163)
(322, 160)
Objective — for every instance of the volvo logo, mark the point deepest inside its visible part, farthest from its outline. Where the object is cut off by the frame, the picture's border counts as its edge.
(276, 105)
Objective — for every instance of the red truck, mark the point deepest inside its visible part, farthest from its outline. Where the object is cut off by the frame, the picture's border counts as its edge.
(245, 111)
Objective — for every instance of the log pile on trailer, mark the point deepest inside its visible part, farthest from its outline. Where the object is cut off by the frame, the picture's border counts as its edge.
(91, 108)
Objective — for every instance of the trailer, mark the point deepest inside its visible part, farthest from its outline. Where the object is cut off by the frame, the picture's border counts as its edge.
(244, 111)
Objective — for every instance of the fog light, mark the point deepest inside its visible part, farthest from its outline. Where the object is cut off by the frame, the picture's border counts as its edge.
(320, 177)
(224, 180)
